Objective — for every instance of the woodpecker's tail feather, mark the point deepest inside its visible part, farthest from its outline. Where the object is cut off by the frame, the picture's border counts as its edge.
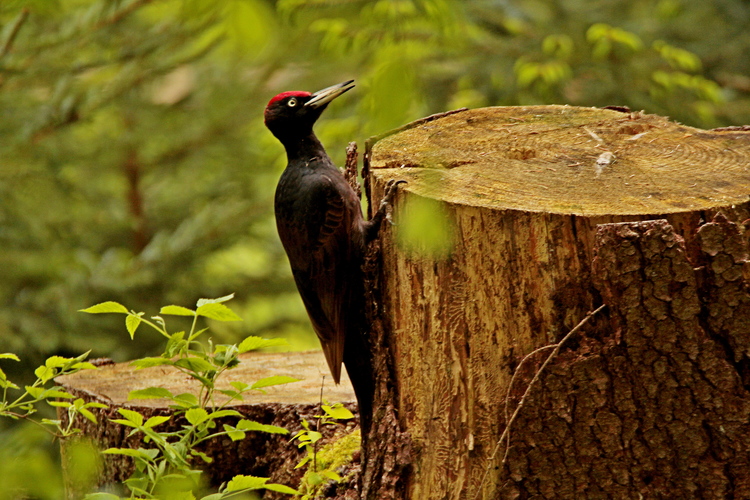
(334, 352)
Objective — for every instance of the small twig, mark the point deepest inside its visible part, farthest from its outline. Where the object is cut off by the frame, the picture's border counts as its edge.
(121, 14)
(17, 23)
(317, 426)
(506, 432)
(515, 375)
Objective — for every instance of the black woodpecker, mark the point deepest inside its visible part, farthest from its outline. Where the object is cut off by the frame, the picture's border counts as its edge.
(320, 223)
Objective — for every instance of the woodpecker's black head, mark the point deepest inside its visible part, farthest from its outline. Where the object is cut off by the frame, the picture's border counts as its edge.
(291, 115)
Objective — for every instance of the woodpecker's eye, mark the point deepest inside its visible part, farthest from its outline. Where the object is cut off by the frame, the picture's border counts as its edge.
(292, 102)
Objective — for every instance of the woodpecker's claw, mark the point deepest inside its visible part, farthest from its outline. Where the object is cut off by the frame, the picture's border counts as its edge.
(388, 194)
(390, 191)
(372, 226)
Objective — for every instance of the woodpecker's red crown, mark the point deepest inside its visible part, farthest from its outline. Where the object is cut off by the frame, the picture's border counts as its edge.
(290, 93)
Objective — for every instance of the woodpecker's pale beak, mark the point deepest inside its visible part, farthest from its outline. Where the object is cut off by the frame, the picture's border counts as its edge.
(323, 97)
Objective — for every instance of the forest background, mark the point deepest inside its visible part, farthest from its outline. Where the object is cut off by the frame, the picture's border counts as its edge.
(134, 164)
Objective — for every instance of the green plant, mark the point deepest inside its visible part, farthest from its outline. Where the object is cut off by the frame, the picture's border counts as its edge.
(25, 405)
(323, 463)
(24, 459)
(168, 465)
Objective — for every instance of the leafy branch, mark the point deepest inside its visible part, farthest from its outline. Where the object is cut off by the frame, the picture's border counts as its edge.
(169, 463)
(25, 405)
(323, 469)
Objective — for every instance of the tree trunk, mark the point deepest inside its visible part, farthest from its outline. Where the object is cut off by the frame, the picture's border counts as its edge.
(552, 211)
(258, 454)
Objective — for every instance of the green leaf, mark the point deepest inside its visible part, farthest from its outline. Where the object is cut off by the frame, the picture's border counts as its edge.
(149, 362)
(232, 394)
(253, 343)
(124, 422)
(89, 416)
(273, 380)
(131, 416)
(175, 344)
(314, 437)
(177, 311)
(154, 421)
(251, 425)
(9, 355)
(202, 455)
(59, 404)
(35, 392)
(129, 452)
(225, 413)
(83, 356)
(196, 415)
(44, 373)
(84, 366)
(216, 311)
(131, 323)
(186, 400)
(195, 364)
(337, 412)
(6, 384)
(150, 393)
(101, 496)
(331, 475)
(55, 392)
(106, 307)
(233, 433)
(198, 334)
(240, 386)
(280, 488)
(241, 482)
(56, 362)
(202, 302)
(315, 479)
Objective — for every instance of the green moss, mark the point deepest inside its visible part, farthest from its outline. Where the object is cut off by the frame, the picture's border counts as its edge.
(329, 459)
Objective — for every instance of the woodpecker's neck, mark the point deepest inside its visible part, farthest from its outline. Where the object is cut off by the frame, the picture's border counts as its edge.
(303, 147)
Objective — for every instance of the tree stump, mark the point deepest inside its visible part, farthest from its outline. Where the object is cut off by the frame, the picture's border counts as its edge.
(553, 211)
(258, 454)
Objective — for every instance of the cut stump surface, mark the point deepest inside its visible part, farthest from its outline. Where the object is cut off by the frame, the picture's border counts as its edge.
(567, 160)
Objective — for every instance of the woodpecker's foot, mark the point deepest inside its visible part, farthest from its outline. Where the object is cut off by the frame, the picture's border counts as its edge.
(388, 194)
(373, 225)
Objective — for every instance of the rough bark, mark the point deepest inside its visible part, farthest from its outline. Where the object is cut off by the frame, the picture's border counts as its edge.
(649, 406)
(524, 191)
(386, 457)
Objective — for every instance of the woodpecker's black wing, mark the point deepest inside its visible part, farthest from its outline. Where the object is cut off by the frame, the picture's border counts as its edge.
(324, 251)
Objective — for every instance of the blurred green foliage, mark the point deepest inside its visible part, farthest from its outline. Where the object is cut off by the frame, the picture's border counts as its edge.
(27, 468)
(135, 167)
(425, 228)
